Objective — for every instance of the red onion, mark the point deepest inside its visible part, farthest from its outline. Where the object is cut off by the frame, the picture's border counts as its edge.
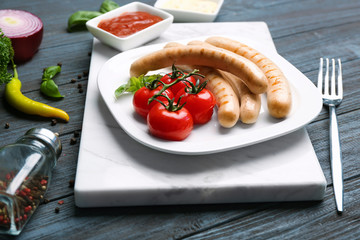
(25, 31)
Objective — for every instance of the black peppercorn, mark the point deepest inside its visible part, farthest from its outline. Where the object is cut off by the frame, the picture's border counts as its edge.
(53, 122)
(73, 141)
(71, 183)
(76, 133)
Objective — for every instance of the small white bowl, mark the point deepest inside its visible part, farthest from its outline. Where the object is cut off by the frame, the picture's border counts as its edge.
(181, 15)
(136, 39)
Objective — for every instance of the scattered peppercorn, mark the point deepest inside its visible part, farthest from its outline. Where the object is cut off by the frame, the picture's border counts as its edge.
(57, 210)
(73, 141)
(7, 125)
(59, 64)
(53, 122)
(85, 73)
(79, 76)
(81, 90)
(71, 183)
(46, 201)
(79, 85)
(76, 133)
(73, 80)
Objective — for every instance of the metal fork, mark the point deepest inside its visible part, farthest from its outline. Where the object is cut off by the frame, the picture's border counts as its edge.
(332, 96)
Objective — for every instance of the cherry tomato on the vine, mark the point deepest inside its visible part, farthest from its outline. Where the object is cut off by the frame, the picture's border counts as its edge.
(170, 125)
(200, 105)
(141, 98)
(168, 78)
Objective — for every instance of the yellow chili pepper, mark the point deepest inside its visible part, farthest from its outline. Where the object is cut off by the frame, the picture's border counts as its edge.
(24, 104)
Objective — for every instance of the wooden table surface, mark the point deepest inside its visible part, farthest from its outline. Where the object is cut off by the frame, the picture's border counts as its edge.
(303, 31)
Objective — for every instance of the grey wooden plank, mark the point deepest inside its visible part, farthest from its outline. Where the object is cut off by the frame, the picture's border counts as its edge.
(74, 58)
(301, 16)
(73, 104)
(286, 221)
(297, 220)
(164, 222)
(289, 17)
(302, 30)
(349, 129)
(178, 221)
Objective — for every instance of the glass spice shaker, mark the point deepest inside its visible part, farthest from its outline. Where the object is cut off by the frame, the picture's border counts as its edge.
(25, 172)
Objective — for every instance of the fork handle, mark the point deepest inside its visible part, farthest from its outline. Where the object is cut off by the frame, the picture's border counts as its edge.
(335, 157)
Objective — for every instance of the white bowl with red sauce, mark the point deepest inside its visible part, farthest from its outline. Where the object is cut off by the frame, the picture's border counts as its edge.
(125, 42)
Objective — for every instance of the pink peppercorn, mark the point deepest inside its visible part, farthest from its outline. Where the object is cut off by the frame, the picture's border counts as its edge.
(27, 209)
(22, 193)
(43, 182)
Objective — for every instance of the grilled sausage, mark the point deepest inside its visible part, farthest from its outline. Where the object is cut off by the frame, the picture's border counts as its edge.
(279, 99)
(203, 56)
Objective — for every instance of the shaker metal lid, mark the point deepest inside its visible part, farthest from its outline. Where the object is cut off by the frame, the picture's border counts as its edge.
(47, 136)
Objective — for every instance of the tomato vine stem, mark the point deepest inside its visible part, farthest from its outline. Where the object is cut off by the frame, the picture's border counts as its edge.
(181, 76)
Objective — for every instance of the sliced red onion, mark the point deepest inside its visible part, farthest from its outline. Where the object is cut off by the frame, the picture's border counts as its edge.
(25, 31)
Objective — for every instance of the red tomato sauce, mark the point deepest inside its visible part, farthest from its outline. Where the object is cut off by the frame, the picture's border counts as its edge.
(128, 23)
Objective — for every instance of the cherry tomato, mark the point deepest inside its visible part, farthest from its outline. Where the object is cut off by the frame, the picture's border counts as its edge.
(170, 125)
(200, 105)
(141, 98)
(167, 79)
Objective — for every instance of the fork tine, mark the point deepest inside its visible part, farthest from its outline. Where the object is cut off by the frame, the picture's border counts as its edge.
(333, 79)
(326, 83)
(320, 76)
(340, 84)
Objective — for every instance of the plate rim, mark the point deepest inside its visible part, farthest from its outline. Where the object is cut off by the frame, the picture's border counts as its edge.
(179, 147)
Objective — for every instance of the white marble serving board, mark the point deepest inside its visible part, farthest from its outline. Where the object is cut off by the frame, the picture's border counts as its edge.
(115, 170)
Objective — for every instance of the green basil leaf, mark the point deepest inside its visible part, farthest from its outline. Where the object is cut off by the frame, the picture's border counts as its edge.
(135, 83)
(121, 90)
(50, 89)
(50, 72)
(48, 86)
(108, 5)
(130, 87)
(149, 78)
(77, 21)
